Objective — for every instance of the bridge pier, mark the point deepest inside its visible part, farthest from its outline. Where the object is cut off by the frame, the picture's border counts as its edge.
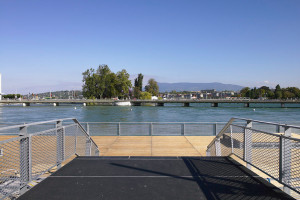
(186, 104)
(26, 104)
(247, 105)
(55, 104)
(282, 105)
(160, 104)
(214, 104)
(136, 103)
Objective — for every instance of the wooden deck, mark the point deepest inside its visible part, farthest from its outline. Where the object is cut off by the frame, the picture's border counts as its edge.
(149, 145)
(152, 145)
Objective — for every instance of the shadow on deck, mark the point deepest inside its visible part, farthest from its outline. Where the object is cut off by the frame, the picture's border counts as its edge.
(154, 178)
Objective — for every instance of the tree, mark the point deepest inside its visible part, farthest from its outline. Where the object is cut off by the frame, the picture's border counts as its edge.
(123, 84)
(89, 84)
(104, 83)
(278, 92)
(245, 92)
(152, 87)
(138, 85)
(145, 95)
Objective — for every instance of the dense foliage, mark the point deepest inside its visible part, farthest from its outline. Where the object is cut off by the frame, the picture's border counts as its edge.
(138, 86)
(266, 92)
(103, 83)
(152, 87)
(11, 96)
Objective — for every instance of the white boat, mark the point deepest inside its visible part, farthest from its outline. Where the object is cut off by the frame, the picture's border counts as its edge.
(122, 103)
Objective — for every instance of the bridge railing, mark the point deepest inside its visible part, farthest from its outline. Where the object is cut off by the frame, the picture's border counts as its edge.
(26, 157)
(153, 128)
(275, 154)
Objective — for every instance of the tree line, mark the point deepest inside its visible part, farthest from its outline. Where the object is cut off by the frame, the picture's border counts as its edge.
(266, 92)
(102, 83)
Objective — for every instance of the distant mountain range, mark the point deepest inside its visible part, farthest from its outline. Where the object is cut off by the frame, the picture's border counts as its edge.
(168, 87)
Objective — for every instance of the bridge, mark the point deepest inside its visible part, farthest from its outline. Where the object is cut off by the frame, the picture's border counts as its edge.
(184, 102)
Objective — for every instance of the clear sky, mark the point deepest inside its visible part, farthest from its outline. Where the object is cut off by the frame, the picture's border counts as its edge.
(48, 44)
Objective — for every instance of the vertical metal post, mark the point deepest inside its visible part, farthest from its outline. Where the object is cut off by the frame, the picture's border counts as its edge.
(60, 136)
(215, 129)
(248, 143)
(151, 129)
(277, 128)
(119, 129)
(182, 129)
(218, 147)
(231, 138)
(88, 128)
(286, 156)
(25, 160)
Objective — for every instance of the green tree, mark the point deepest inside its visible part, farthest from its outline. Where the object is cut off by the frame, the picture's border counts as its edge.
(138, 85)
(245, 92)
(152, 87)
(145, 96)
(123, 84)
(89, 84)
(278, 92)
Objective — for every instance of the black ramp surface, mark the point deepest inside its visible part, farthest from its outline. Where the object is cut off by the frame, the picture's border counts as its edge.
(154, 178)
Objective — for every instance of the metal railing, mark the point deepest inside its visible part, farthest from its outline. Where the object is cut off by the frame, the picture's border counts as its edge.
(276, 154)
(153, 128)
(26, 157)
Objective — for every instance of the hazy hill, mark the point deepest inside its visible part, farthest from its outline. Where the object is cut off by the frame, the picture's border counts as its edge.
(167, 87)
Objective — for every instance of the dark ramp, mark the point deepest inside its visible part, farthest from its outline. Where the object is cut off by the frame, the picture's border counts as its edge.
(148, 178)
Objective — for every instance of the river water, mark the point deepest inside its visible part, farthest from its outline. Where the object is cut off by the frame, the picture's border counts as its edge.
(167, 113)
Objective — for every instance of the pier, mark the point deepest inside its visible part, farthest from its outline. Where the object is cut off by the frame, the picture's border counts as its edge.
(184, 102)
(75, 165)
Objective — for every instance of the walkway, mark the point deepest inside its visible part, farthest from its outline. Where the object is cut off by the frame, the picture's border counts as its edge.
(152, 145)
(148, 178)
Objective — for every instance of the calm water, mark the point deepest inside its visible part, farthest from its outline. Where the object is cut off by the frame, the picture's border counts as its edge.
(168, 113)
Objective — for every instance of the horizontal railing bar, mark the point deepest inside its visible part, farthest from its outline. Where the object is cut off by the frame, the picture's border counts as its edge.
(33, 124)
(270, 123)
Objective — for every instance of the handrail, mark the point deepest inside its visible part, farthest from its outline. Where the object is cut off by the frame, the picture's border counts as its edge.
(244, 141)
(20, 153)
(34, 123)
(247, 120)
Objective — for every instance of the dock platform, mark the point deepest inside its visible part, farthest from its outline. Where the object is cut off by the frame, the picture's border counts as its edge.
(154, 178)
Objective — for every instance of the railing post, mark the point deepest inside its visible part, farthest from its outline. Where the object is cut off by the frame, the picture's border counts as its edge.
(182, 129)
(151, 129)
(60, 138)
(119, 129)
(286, 159)
(25, 160)
(277, 128)
(248, 143)
(231, 138)
(88, 128)
(215, 129)
(218, 147)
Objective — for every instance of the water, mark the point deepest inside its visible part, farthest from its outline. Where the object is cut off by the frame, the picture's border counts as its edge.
(167, 113)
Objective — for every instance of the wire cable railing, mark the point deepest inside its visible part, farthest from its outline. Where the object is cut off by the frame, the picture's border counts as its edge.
(276, 154)
(26, 157)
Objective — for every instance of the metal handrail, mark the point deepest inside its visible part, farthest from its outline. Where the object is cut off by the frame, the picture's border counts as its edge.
(248, 120)
(55, 145)
(285, 145)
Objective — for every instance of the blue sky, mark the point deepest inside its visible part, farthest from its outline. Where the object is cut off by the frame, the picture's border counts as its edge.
(48, 44)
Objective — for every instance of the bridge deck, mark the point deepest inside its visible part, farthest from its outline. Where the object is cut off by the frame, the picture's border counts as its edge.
(154, 178)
